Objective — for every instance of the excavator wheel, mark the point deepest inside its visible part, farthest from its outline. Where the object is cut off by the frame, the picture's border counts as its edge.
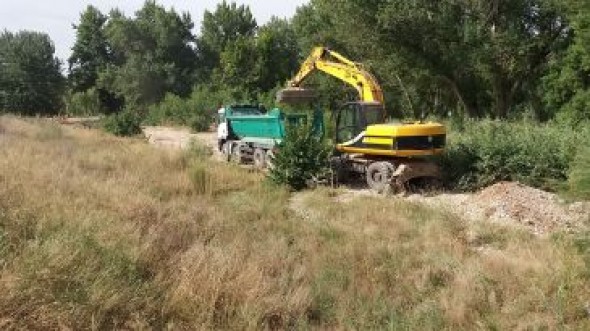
(379, 176)
(296, 95)
(417, 176)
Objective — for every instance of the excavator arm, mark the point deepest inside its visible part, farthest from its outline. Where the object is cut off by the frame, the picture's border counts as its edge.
(338, 66)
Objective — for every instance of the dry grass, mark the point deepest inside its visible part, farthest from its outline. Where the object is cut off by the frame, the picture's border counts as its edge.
(100, 232)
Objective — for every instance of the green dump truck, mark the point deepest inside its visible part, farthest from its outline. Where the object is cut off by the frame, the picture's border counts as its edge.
(247, 133)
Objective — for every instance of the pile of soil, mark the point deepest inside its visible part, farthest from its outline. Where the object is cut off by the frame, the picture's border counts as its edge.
(515, 203)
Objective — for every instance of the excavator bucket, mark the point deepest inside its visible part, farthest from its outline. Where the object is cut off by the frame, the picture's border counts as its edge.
(296, 95)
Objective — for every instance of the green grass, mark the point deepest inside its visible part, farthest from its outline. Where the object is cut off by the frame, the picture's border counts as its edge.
(98, 232)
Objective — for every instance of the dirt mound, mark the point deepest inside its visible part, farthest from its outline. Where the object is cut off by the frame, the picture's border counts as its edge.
(514, 203)
(542, 211)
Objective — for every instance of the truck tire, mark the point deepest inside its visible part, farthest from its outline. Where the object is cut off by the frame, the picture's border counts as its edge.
(237, 154)
(259, 158)
(379, 176)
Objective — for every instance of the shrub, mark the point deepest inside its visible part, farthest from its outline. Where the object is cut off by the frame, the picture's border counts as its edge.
(302, 157)
(84, 103)
(126, 123)
(197, 111)
(579, 178)
(490, 151)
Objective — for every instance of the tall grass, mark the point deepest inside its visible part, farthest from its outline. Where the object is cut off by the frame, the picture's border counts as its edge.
(98, 232)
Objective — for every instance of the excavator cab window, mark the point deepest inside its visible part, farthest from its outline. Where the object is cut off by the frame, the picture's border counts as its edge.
(373, 114)
(349, 123)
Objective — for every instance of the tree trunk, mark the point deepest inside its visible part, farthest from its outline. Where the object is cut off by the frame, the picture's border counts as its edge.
(502, 93)
(470, 107)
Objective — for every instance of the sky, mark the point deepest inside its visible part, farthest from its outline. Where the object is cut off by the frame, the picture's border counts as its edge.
(55, 17)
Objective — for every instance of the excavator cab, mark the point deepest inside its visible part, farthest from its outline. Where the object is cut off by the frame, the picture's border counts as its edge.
(353, 118)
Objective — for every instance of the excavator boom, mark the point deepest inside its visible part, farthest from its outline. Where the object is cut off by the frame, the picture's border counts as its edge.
(338, 66)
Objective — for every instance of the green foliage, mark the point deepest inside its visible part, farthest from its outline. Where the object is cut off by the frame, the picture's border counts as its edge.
(301, 158)
(30, 76)
(85, 103)
(134, 61)
(481, 59)
(196, 111)
(490, 151)
(277, 53)
(90, 57)
(90, 53)
(566, 85)
(220, 28)
(238, 66)
(126, 123)
(579, 176)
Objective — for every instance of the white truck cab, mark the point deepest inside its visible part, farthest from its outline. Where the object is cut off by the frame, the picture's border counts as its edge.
(222, 131)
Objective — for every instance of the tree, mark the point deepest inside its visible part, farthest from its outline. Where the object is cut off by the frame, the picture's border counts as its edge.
(30, 75)
(90, 56)
(152, 54)
(259, 63)
(225, 25)
(485, 57)
(238, 68)
(278, 53)
(90, 53)
(567, 85)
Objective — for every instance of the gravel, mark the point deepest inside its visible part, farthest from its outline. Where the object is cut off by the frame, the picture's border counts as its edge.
(513, 203)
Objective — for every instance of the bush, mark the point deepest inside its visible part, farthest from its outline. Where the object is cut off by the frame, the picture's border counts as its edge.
(84, 103)
(579, 179)
(126, 123)
(302, 157)
(197, 111)
(490, 151)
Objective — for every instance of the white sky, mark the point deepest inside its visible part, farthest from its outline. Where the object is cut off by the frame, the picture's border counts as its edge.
(55, 17)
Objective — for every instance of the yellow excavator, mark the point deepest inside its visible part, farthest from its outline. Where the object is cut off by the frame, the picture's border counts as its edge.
(389, 155)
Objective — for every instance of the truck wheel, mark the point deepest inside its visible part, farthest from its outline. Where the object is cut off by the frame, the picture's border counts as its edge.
(259, 158)
(236, 154)
(379, 175)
